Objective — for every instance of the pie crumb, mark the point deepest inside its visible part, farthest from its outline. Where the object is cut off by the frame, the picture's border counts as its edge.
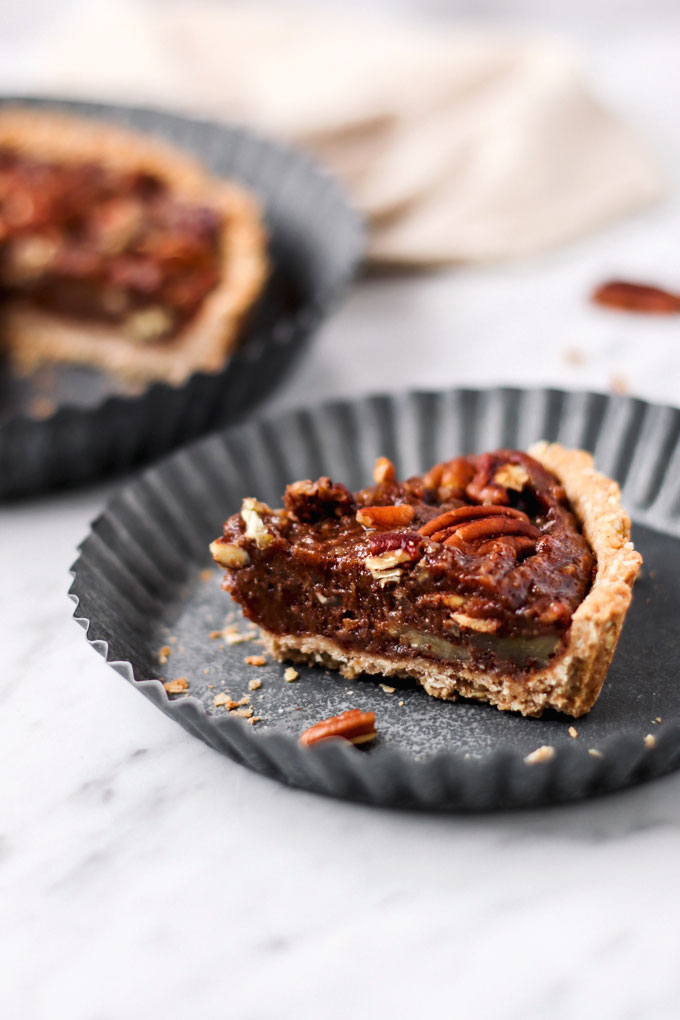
(233, 636)
(650, 740)
(42, 407)
(164, 653)
(177, 686)
(401, 703)
(573, 732)
(573, 356)
(216, 634)
(223, 699)
(244, 713)
(544, 753)
(595, 753)
(618, 383)
(254, 685)
(254, 719)
(290, 675)
(387, 689)
(255, 660)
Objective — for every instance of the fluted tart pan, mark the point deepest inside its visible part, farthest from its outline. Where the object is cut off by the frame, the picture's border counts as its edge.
(68, 424)
(143, 582)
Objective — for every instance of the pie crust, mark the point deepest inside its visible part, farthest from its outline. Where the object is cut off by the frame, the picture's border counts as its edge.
(573, 678)
(33, 336)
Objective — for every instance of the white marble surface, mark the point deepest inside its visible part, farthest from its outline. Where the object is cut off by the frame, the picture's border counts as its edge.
(144, 876)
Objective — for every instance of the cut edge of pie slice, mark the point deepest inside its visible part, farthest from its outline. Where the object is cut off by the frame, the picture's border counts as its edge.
(34, 336)
(569, 682)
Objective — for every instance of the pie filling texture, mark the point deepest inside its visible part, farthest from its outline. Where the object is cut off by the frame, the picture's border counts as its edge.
(475, 568)
(89, 242)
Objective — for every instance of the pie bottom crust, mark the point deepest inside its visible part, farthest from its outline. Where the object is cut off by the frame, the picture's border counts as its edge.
(572, 681)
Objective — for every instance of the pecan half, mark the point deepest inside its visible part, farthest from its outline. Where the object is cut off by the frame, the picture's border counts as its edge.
(483, 524)
(492, 527)
(354, 725)
(467, 513)
(385, 516)
(636, 297)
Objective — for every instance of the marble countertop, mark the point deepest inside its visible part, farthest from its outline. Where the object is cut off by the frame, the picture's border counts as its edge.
(144, 876)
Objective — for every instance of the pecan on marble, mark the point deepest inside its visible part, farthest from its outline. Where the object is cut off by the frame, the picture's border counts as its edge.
(636, 297)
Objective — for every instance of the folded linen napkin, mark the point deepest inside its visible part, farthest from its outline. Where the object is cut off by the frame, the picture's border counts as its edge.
(458, 144)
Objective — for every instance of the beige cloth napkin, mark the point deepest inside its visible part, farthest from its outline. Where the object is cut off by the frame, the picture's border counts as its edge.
(458, 144)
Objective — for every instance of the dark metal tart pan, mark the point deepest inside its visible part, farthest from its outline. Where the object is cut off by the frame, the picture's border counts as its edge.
(140, 581)
(91, 427)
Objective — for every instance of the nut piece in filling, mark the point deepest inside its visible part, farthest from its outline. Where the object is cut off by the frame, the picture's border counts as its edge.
(119, 251)
(503, 577)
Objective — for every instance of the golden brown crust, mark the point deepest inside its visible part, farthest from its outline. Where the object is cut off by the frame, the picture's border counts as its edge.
(577, 675)
(33, 336)
(572, 681)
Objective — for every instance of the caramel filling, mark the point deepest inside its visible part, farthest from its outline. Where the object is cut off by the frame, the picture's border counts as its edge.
(480, 562)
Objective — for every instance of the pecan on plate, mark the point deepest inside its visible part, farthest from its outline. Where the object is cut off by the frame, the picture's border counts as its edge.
(354, 725)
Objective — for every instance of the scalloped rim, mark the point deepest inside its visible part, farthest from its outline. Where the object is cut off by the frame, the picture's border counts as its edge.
(390, 776)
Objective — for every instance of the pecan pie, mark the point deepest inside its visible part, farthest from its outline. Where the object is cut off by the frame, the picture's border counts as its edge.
(503, 577)
(119, 252)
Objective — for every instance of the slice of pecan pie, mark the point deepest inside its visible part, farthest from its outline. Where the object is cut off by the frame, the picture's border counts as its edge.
(504, 577)
(118, 251)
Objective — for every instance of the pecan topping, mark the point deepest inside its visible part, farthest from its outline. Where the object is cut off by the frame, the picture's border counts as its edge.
(637, 297)
(491, 527)
(383, 471)
(229, 555)
(311, 501)
(512, 476)
(354, 725)
(255, 528)
(449, 478)
(385, 516)
(383, 541)
(469, 524)
(467, 513)
(91, 241)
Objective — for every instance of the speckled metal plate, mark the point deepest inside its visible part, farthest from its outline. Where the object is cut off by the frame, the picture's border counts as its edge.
(142, 581)
(67, 424)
